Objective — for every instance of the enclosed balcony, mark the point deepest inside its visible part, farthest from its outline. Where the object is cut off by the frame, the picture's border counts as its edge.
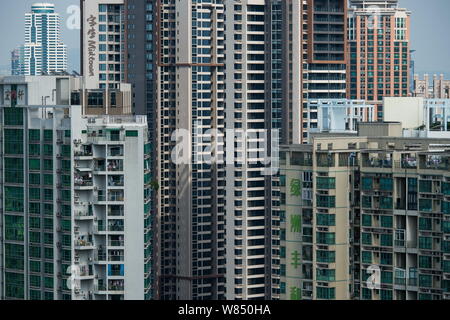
(115, 165)
(83, 180)
(434, 162)
(116, 181)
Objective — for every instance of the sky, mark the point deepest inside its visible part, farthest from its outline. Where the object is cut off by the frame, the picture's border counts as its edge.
(430, 32)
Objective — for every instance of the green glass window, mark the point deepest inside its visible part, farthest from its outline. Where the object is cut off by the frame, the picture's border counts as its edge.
(65, 165)
(35, 252)
(66, 225)
(48, 150)
(48, 268)
(14, 256)
(48, 194)
(48, 282)
(48, 223)
(35, 222)
(35, 295)
(326, 201)
(386, 221)
(14, 228)
(48, 238)
(366, 294)
(367, 183)
(326, 256)
(425, 205)
(425, 280)
(48, 209)
(425, 186)
(326, 238)
(35, 178)
(425, 262)
(445, 226)
(386, 203)
(34, 149)
(325, 275)
(326, 219)
(425, 224)
(14, 199)
(48, 135)
(13, 116)
(34, 135)
(446, 266)
(386, 277)
(386, 258)
(14, 284)
(386, 240)
(34, 164)
(326, 293)
(386, 294)
(366, 220)
(386, 184)
(425, 242)
(35, 281)
(366, 238)
(48, 253)
(65, 151)
(326, 183)
(13, 170)
(446, 188)
(35, 193)
(366, 202)
(65, 195)
(132, 133)
(48, 179)
(66, 211)
(446, 207)
(35, 237)
(366, 256)
(48, 165)
(65, 180)
(35, 266)
(34, 208)
(13, 141)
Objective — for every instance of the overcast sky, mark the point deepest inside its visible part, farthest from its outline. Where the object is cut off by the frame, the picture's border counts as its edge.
(430, 32)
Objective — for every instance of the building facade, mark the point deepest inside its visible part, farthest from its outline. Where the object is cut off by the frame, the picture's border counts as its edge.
(392, 228)
(379, 51)
(67, 231)
(103, 43)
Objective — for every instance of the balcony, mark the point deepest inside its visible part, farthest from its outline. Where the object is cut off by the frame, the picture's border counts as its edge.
(84, 214)
(85, 151)
(435, 162)
(116, 226)
(116, 196)
(115, 181)
(116, 243)
(82, 244)
(115, 211)
(83, 181)
(115, 165)
(377, 163)
(116, 285)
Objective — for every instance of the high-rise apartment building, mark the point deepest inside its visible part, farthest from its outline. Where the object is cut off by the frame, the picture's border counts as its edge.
(16, 63)
(224, 64)
(67, 231)
(379, 51)
(43, 52)
(103, 42)
(367, 207)
(439, 88)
